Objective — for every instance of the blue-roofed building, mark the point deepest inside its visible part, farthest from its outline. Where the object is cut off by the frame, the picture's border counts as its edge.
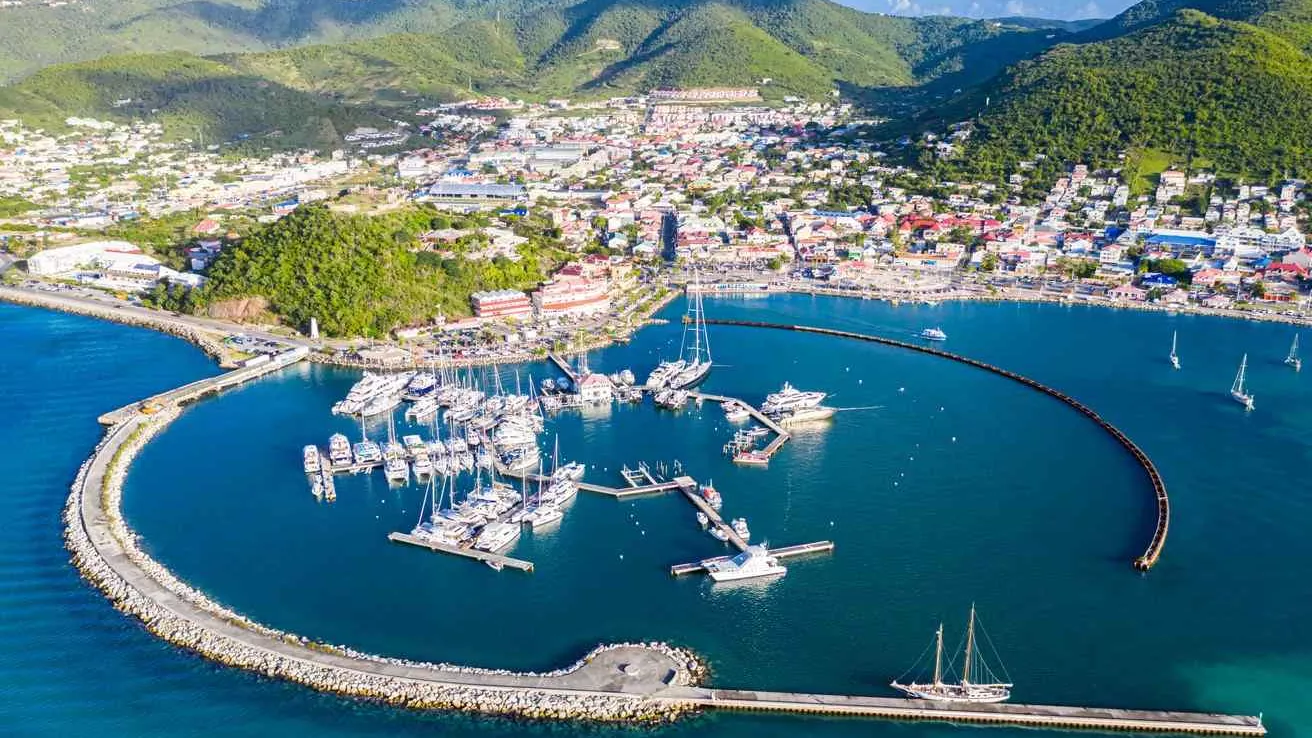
(1154, 279)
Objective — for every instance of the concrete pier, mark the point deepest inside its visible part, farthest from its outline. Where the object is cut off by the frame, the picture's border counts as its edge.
(467, 552)
(786, 552)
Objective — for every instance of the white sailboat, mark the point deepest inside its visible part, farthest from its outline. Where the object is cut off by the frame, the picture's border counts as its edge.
(1237, 390)
(1293, 359)
(987, 689)
(1175, 358)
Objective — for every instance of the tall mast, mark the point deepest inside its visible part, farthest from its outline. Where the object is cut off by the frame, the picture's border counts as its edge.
(938, 656)
(1173, 337)
(970, 646)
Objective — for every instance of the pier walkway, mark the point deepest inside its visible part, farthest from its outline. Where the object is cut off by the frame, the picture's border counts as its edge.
(1154, 551)
(564, 367)
(781, 436)
(786, 552)
(467, 552)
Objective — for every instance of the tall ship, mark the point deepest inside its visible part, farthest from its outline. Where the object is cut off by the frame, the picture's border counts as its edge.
(694, 362)
(978, 683)
(1237, 390)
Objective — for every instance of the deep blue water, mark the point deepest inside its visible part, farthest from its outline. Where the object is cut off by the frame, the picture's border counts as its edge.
(949, 486)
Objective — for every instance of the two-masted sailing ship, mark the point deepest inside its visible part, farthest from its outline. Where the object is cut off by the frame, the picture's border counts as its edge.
(978, 683)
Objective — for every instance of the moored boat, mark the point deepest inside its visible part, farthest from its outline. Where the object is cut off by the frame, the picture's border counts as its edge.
(969, 689)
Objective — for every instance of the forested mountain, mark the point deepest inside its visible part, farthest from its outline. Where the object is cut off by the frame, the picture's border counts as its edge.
(532, 49)
(1226, 83)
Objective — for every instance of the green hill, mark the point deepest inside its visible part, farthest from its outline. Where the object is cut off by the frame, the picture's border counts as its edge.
(533, 49)
(1236, 94)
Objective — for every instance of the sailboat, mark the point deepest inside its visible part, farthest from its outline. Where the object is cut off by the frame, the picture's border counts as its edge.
(697, 357)
(1175, 358)
(1237, 390)
(987, 689)
(1293, 359)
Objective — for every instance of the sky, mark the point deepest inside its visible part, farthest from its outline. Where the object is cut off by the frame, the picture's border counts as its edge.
(1055, 9)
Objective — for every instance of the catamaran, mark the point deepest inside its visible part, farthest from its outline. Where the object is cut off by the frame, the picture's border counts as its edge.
(1175, 358)
(989, 689)
(1237, 390)
(1293, 359)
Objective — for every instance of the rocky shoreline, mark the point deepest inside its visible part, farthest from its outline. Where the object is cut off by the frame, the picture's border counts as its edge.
(326, 667)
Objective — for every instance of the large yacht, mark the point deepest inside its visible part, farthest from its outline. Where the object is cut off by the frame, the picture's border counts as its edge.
(367, 452)
(496, 537)
(665, 371)
(311, 459)
(988, 689)
(339, 450)
(754, 562)
(791, 399)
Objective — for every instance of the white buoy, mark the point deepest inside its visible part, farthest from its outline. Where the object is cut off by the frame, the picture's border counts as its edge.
(621, 557)
(954, 439)
(901, 389)
(860, 381)
(894, 484)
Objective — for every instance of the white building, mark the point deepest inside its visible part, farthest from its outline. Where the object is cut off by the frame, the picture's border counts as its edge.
(95, 254)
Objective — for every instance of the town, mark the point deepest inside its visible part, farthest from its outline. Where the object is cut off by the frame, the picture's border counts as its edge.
(706, 189)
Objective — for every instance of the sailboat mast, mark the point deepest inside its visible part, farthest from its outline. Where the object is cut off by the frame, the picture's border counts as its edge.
(970, 647)
(938, 656)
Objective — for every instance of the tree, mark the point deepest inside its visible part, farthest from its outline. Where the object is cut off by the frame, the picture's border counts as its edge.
(989, 263)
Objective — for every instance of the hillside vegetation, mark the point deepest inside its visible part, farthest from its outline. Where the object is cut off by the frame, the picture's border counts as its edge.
(357, 275)
(1236, 94)
(534, 49)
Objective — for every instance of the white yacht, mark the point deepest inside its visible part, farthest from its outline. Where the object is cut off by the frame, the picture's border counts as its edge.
(542, 516)
(339, 450)
(754, 562)
(736, 413)
(311, 459)
(396, 470)
(740, 527)
(790, 399)
(934, 334)
(425, 407)
(572, 471)
(987, 689)
(367, 452)
(380, 404)
(664, 372)
(423, 465)
(496, 537)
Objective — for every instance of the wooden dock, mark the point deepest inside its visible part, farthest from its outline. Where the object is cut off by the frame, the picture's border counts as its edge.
(469, 553)
(563, 366)
(787, 552)
(781, 436)
(715, 520)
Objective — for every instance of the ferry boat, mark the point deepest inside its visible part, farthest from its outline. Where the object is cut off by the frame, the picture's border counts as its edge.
(752, 563)
(934, 334)
(1175, 358)
(311, 459)
(339, 450)
(496, 537)
(711, 496)
(1292, 359)
(790, 399)
(987, 689)
(1237, 390)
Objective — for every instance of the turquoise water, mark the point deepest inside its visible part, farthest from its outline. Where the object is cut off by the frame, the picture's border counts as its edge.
(948, 486)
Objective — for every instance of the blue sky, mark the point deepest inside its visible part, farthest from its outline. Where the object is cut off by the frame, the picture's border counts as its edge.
(1058, 9)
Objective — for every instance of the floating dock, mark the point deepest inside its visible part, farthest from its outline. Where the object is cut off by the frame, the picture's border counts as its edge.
(469, 553)
(781, 436)
(787, 552)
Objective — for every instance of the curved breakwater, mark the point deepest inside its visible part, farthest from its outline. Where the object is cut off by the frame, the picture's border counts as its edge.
(1154, 550)
(612, 683)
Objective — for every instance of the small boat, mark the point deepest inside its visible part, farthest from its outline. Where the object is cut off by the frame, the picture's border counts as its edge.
(496, 537)
(1292, 359)
(1175, 358)
(751, 458)
(736, 413)
(396, 471)
(740, 527)
(969, 689)
(934, 334)
(1237, 390)
(718, 534)
(702, 519)
(711, 496)
(752, 563)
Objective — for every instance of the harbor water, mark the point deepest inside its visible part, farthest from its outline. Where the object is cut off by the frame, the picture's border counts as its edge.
(942, 485)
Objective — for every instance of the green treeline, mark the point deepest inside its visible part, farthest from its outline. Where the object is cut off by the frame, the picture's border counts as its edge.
(360, 275)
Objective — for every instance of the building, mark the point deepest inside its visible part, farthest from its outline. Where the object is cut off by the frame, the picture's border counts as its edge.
(501, 304)
(595, 388)
(69, 258)
(477, 193)
(574, 296)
